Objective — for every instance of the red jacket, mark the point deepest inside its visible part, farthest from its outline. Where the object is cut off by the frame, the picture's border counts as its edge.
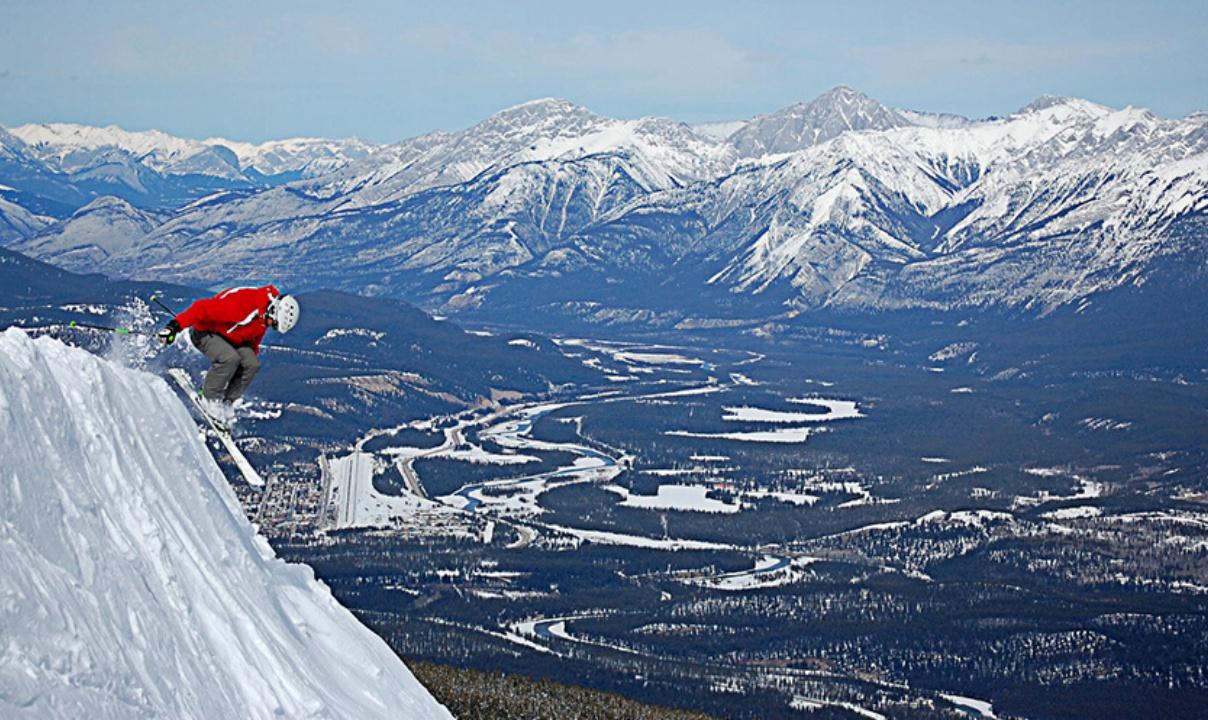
(236, 314)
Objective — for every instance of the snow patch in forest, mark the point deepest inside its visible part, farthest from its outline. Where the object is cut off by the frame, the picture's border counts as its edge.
(686, 498)
(781, 435)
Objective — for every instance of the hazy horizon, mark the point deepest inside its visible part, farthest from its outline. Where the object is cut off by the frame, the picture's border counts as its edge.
(384, 72)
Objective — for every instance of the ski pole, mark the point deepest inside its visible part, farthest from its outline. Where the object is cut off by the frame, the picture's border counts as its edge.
(167, 309)
(117, 330)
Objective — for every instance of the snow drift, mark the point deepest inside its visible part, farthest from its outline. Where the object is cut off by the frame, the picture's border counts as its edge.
(131, 585)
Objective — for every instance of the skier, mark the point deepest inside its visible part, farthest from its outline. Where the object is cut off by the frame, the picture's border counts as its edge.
(228, 329)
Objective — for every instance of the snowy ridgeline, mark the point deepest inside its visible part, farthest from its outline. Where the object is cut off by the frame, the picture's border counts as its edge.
(131, 585)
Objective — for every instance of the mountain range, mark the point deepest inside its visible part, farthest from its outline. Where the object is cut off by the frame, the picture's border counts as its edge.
(840, 203)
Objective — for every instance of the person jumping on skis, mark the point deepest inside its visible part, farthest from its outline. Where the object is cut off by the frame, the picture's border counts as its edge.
(228, 329)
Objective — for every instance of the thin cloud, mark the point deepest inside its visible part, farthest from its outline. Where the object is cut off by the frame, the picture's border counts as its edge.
(906, 58)
(683, 60)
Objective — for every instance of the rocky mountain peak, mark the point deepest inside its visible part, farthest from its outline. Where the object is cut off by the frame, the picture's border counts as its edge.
(108, 203)
(1075, 105)
(551, 113)
(834, 112)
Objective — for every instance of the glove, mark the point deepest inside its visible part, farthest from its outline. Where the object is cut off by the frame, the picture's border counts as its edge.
(168, 334)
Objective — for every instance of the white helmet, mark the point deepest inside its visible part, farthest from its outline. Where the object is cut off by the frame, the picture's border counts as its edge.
(283, 310)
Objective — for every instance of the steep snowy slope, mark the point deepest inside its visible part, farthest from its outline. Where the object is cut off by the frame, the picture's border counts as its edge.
(130, 583)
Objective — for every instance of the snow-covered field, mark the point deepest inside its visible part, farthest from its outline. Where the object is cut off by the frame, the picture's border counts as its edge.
(687, 392)
(687, 498)
(980, 707)
(633, 354)
(811, 704)
(683, 472)
(835, 410)
(601, 537)
(1070, 513)
(358, 504)
(768, 571)
(780, 435)
(1087, 489)
(791, 498)
(475, 454)
(656, 358)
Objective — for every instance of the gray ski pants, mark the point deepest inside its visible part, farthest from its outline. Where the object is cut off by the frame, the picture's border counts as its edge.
(232, 368)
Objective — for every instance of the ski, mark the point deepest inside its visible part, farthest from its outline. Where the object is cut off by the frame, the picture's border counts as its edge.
(181, 378)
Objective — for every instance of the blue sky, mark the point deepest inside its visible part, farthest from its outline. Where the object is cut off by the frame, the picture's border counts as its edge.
(384, 71)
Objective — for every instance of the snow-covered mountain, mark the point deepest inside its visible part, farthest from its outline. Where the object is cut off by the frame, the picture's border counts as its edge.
(56, 168)
(294, 157)
(718, 130)
(840, 202)
(1060, 200)
(69, 147)
(32, 186)
(133, 585)
(803, 125)
(17, 223)
(547, 167)
(662, 153)
(104, 227)
(447, 238)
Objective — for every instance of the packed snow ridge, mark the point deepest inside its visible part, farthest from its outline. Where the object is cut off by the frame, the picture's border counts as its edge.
(131, 585)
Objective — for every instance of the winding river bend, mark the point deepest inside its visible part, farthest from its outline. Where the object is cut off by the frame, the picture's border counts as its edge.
(589, 464)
